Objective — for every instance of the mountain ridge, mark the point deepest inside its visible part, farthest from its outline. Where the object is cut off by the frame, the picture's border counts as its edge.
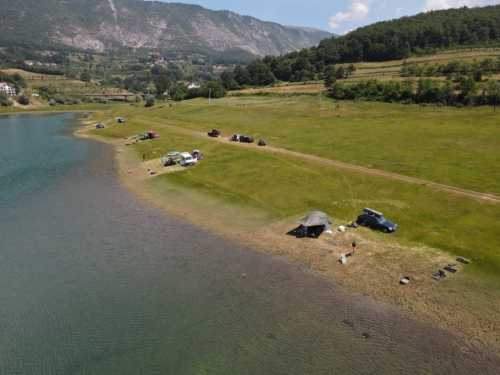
(109, 24)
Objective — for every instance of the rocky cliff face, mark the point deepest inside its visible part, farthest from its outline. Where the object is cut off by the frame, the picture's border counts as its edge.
(106, 24)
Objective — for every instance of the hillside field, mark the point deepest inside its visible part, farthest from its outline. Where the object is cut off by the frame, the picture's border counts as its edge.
(384, 71)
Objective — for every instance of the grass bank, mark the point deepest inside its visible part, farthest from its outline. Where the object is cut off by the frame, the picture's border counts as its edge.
(253, 196)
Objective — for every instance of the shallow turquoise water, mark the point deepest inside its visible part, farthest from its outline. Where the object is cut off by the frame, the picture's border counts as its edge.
(94, 281)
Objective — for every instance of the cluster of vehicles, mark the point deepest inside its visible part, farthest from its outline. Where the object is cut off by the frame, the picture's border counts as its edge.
(237, 137)
(183, 158)
(241, 138)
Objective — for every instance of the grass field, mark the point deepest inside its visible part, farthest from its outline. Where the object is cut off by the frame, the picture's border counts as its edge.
(266, 191)
(455, 147)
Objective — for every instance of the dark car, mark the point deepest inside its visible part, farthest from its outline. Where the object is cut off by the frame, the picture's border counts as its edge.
(246, 139)
(262, 142)
(375, 220)
(214, 133)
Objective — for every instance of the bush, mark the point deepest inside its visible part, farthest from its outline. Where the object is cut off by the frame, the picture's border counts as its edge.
(150, 101)
(60, 99)
(52, 102)
(101, 99)
(138, 98)
(4, 99)
(23, 99)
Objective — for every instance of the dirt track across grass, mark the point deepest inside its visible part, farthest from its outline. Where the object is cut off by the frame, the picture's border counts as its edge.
(352, 167)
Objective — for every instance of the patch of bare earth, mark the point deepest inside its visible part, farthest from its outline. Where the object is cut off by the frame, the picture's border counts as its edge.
(34, 104)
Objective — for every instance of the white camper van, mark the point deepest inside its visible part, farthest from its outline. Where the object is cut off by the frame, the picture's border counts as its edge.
(186, 159)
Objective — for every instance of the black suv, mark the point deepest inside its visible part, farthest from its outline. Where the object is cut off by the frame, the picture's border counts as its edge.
(375, 220)
(246, 139)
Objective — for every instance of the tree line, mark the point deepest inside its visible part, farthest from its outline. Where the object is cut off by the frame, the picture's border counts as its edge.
(425, 33)
(452, 69)
(466, 92)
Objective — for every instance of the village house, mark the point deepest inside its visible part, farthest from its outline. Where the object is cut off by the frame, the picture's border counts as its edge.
(191, 85)
(27, 62)
(8, 89)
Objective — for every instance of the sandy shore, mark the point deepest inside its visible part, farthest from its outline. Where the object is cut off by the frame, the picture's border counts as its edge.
(374, 270)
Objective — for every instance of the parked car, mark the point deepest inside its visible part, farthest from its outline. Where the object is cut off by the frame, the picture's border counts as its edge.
(99, 126)
(262, 142)
(153, 134)
(246, 139)
(198, 155)
(121, 119)
(235, 137)
(187, 159)
(375, 220)
(173, 154)
(214, 133)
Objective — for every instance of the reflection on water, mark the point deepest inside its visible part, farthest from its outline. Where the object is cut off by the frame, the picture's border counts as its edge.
(93, 281)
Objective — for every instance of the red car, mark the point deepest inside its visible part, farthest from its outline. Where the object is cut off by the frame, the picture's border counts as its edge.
(153, 135)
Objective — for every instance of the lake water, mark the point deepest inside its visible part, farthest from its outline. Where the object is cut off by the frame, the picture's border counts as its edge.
(94, 281)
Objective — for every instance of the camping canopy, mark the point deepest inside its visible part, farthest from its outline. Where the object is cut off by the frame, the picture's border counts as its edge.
(315, 218)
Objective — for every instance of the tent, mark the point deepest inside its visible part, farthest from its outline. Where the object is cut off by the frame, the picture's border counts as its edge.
(315, 221)
(316, 218)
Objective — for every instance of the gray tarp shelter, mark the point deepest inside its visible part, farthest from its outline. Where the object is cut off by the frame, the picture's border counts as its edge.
(316, 218)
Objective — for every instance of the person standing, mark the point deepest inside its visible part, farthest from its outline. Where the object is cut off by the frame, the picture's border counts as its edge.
(144, 157)
(353, 247)
(161, 159)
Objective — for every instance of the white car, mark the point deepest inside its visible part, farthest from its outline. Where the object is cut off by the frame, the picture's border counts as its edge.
(186, 159)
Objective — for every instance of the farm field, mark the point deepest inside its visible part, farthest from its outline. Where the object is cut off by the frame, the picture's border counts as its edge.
(268, 190)
(384, 71)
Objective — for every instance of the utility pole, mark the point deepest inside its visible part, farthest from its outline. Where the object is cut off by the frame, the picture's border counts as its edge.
(496, 98)
(319, 94)
(209, 94)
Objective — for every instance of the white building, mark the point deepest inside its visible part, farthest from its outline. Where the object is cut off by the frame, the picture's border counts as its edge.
(8, 89)
(191, 85)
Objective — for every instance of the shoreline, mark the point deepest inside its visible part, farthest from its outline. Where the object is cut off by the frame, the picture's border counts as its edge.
(368, 273)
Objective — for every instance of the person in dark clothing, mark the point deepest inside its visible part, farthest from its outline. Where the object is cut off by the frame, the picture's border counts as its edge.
(144, 157)
(353, 247)
(303, 230)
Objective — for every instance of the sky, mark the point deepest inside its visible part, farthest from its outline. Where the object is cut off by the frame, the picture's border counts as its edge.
(335, 16)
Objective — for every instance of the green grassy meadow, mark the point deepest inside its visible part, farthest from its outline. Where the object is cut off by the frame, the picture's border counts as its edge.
(457, 147)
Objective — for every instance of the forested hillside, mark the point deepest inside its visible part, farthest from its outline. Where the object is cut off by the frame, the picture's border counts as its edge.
(424, 33)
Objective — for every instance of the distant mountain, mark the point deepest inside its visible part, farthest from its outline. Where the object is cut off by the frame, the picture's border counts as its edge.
(108, 24)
